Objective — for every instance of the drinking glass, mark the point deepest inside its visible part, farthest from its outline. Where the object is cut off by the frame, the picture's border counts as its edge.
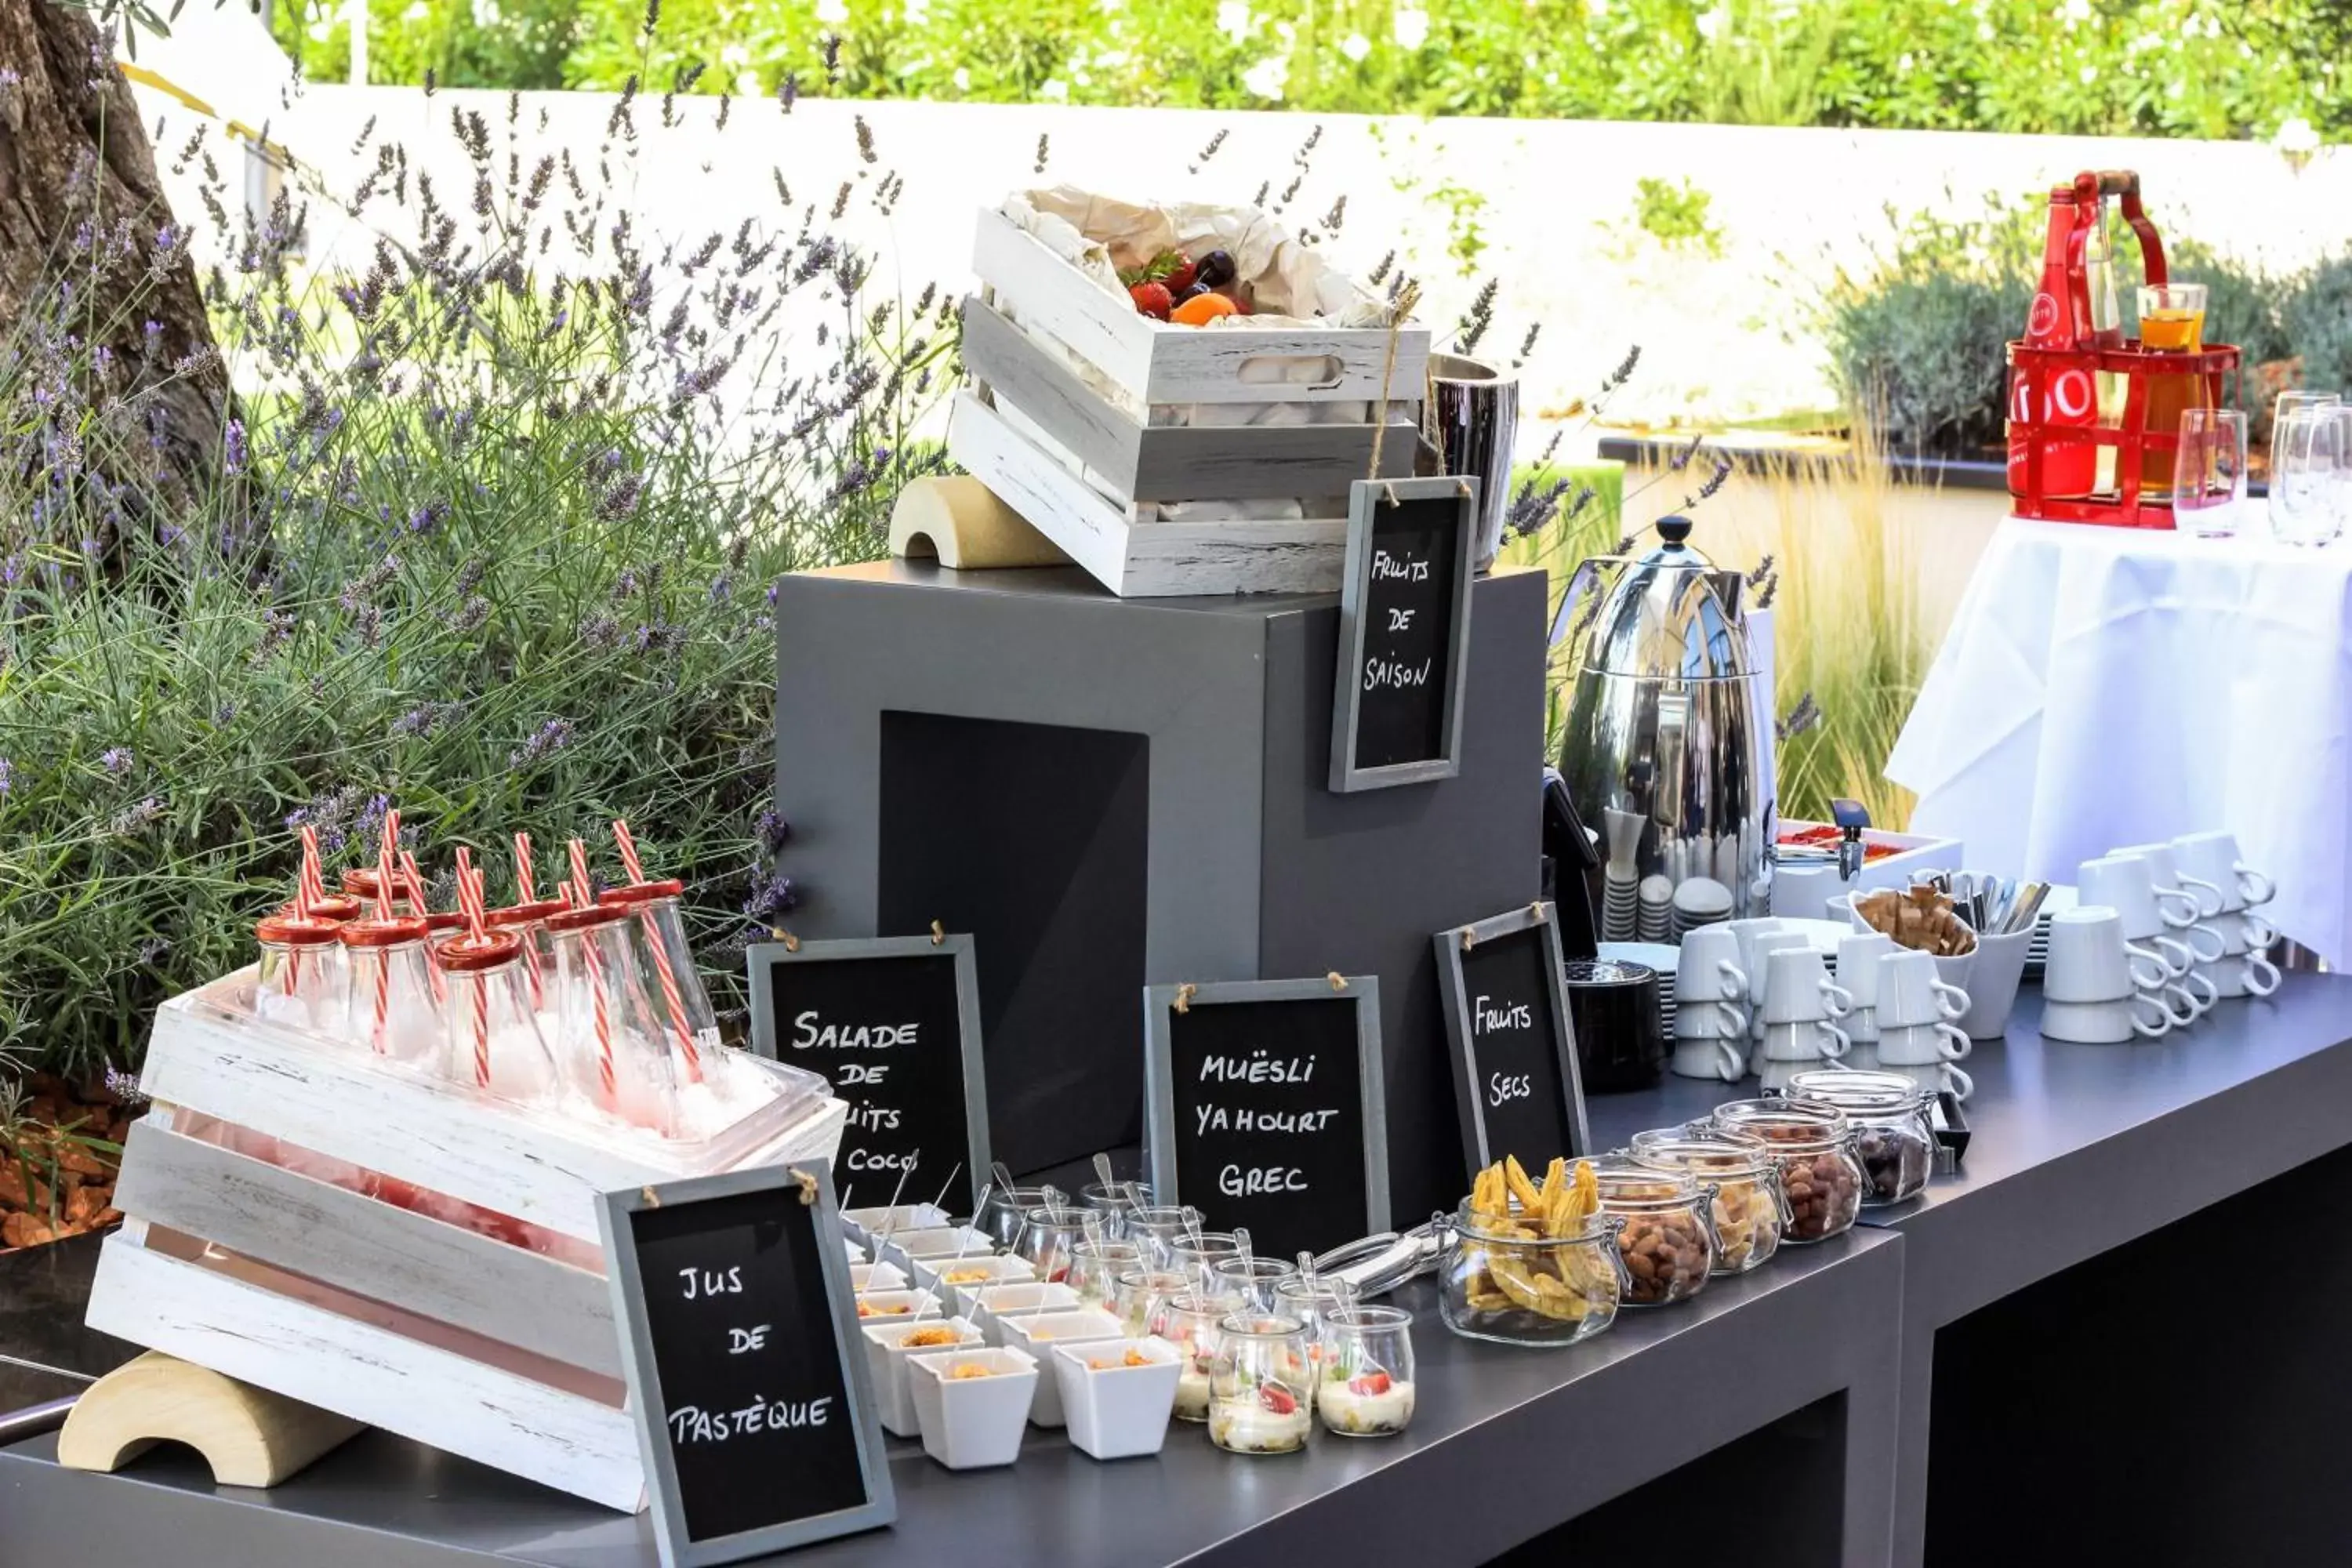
(2306, 455)
(2295, 402)
(2171, 319)
(2211, 476)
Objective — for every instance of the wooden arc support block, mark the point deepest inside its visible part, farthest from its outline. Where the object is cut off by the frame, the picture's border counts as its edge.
(250, 1437)
(964, 524)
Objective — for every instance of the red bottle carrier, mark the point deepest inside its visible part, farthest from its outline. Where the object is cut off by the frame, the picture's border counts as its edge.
(2054, 377)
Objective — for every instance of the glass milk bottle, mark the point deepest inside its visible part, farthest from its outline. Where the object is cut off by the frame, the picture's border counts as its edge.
(612, 1046)
(529, 921)
(389, 1008)
(658, 931)
(490, 1035)
(302, 981)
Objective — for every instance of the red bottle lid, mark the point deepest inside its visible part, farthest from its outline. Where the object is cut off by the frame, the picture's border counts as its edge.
(382, 934)
(469, 955)
(642, 892)
(283, 929)
(530, 914)
(570, 922)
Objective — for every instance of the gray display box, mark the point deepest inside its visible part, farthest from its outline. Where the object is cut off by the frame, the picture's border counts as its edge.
(1167, 819)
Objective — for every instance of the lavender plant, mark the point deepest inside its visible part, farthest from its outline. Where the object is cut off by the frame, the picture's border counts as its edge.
(493, 535)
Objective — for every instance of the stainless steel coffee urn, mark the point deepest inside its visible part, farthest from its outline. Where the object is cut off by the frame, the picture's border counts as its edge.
(1666, 744)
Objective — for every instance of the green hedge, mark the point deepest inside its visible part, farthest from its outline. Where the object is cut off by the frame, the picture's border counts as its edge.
(2168, 67)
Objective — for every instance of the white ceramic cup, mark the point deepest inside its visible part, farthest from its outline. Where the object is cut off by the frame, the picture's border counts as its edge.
(1804, 1040)
(2244, 969)
(1716, 1059)
(2202, 939)
(1797, 988)
(2090, 961)
(2212, 856)
(1857, 964)
(1765, 944)
(1942, 1077)
(1909, 993)
(1918, 1044)
(1709, 969)
(2106, 1023)
(1993, 983)
(2126, 884)
(1746, 933)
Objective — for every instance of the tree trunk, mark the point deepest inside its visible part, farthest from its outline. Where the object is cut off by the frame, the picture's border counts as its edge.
(80, 203)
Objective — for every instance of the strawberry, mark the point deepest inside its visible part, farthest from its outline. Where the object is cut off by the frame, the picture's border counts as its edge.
(1369, 1383)
(1181, 271)
(1276, 1398)
(1152, 299)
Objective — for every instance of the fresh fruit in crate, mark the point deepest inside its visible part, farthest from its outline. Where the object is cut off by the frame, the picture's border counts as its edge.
(1202, 309)
(1152, 298)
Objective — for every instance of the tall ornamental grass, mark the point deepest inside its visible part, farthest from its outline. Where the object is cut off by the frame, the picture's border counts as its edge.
(492, 536)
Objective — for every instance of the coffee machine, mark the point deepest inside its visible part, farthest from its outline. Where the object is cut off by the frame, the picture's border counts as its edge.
(1667, 744)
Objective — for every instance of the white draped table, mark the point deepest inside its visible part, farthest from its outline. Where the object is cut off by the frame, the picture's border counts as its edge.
(2109, 686)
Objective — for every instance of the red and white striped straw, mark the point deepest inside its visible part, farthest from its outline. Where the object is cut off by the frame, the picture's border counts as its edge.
(522, 870)
(470, 902)
(416, 906)
(672, 997)
(578, 894)
(583, 893)
(313, 881)
(383, 912)
(526, 895)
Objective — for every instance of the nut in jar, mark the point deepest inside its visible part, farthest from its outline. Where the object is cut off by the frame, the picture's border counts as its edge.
(1667, 1244)
(1814, 1147)
(1750, 1210)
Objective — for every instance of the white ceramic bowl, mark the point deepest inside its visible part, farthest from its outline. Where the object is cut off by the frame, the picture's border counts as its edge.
(1038, 1334)
(974, 1423)
(887, 1356)
(1117, 1411)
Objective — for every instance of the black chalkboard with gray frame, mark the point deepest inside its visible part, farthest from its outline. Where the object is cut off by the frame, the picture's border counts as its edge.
(1404, 631)
(1516, 1085)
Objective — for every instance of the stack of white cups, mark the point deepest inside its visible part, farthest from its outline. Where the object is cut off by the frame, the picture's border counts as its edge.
(1710, 1015)
(2099, 988)
(1857, 970)
(1760, 948)
(1798, 1007)
(1918, 1021)
(2155, 918)
(2227, 890)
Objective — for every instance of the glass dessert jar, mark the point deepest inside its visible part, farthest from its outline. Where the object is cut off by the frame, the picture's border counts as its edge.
(1095, 1265)
(1894, 1128)
(1750, 1210)
(1115, 1203)
(305, 977)
(1048, 1235)
(1814, 1147)
(491, 1036)
(1252, 1278)
(1668, 1244)
(1157, 1230)
(1136, 1293)
(1504, 1281)
(1189, 1320)
(999, 1215)
(1366, 1389)
(1261, 1391)
(1199, 1255)
(389, 1006)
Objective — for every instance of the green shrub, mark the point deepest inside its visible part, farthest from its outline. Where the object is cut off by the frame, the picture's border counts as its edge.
(494, 547)
(2162, 67)
(2316, 319)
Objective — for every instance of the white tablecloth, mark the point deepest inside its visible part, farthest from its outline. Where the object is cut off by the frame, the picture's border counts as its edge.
(2108, 685)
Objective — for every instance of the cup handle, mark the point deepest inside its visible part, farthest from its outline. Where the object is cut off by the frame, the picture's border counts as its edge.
(2162, 1025)
(1945, 1002)
(1735, 1019)
(2256, 888)
(2191, 981)
(2177, 955)
(2260, 932)
(2258, 965)
(1735, 1061)
(1835, 1042)
(2200, 887)
(2221, 944)
(2187, 1012)
(1962, 1084)
(1958, 1045)
(1836, 998)
(2145, 979)
(1734, 978)
(2186, 899)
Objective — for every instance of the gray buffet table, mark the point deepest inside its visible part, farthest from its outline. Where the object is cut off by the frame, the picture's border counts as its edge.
(2115, 1332)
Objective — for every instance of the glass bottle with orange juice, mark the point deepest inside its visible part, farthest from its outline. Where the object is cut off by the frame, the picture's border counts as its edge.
(2171, 321)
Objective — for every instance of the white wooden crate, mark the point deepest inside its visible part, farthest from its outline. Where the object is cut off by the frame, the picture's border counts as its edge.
(440, 1332)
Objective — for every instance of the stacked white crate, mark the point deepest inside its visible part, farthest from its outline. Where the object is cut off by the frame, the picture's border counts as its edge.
(373, 1310)
(1089, 473)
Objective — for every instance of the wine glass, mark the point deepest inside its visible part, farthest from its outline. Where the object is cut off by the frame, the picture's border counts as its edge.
(2212, 477)
(2307, 457)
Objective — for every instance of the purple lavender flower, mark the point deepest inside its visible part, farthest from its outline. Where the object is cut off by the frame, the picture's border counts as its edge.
(233, 446)
(136, 818)
(8, 775)
(770, 894)
(117, 760)
(551, 737)
(773, 831)
(370, 825)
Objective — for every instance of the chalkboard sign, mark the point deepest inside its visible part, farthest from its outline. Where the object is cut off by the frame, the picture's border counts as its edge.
(1264, 1107)
(745, 1374)
(1404, 631)
(894, 1023)
(1514, 1049)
